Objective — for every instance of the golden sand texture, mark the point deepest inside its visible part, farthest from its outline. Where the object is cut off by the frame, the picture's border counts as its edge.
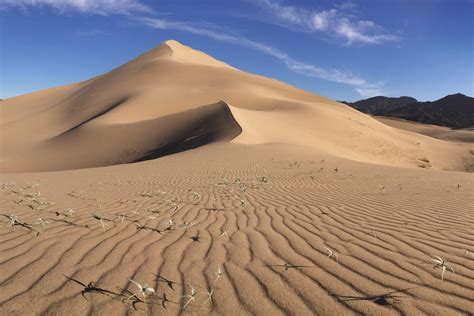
(264, 221)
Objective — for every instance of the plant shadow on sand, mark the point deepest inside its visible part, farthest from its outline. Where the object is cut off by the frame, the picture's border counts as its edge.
(120, 295)
(91, 288)
(384, 299)
(288, 266)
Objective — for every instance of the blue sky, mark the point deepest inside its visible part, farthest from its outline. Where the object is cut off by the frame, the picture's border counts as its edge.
(343, 50)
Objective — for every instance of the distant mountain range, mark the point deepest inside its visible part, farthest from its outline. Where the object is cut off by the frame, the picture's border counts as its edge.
(455, 110)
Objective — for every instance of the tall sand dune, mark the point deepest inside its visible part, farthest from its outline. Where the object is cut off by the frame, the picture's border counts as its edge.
(161, 103)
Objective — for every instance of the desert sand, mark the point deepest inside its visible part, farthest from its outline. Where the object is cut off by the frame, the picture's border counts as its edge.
(439, 132)
(275, 200)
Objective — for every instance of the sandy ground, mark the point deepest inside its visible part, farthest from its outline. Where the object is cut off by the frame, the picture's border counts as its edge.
(274, 201)
(280, 205)
(439, 132)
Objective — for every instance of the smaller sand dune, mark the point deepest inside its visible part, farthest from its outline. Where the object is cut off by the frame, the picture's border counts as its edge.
(435, 131)
(125, 143)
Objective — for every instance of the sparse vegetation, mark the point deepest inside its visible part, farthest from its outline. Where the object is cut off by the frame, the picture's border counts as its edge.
(42, 223)
(440, 263)
(332, 254)
(101, 220)
(209, 294)
(191, 297)
(218, 274)
(143, 290)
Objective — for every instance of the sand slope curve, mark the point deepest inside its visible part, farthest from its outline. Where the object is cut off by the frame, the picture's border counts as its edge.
(108, 119)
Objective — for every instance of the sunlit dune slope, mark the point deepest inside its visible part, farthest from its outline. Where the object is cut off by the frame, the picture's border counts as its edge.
(174, 98)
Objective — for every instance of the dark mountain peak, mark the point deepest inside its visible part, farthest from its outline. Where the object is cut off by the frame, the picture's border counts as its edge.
(457, 97)
(379, 104)
(454, 110)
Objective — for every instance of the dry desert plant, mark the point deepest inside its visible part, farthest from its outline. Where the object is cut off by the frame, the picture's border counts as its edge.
(67, 213)
(144, 290)
(101, 220)
(218, 274)
(225, 233)
(196, 195)
(373, 233)
(440, 263)
(42, 223)
(175, 207)
(187, 225)
(13, 220)
(171, 224)
(5, 185)
(224, 182)
(209, 294)
(190, 297)
(332, 254)
(120, 217)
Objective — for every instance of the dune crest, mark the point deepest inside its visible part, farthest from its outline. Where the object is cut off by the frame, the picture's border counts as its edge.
(176, 51)
(89, 124)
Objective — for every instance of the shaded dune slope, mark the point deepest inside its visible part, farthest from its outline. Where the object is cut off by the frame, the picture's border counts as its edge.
(98, 122)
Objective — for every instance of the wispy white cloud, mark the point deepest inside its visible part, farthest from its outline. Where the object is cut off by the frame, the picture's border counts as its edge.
(362, 86)
(100, 7)
(334, 22)
(369, 92)
(133, 8)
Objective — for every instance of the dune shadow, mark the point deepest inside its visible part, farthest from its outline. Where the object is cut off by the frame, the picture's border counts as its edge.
(197, 136)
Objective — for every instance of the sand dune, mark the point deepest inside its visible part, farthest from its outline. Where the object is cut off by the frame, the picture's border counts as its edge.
(279, 201)
(384, 223)
(435, 131)
(56, 126)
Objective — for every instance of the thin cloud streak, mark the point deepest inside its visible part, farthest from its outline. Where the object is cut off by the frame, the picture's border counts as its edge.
(334, 22)
(362, 86)
(99, 7)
